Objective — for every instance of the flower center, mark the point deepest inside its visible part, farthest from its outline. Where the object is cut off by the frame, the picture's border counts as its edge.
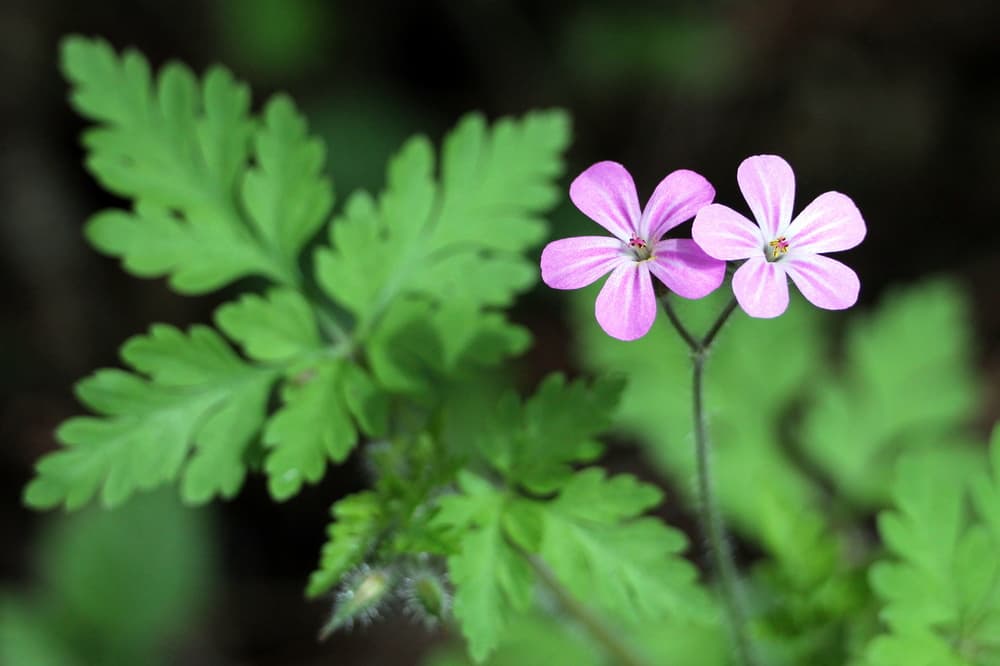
(779, 247)
(639, 248)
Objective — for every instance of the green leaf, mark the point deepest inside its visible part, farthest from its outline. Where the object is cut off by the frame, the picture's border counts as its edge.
(417, 347)
(536, 445)
(492, 581)
(368, 405)
(285, 194)
(605, 554)
(314, 425)
(199, 396)
(198, 254)
(534, 638)
(916, 649)
(943, 581)
(133, 578)
(353, 533)
(986, 486)
(181, 151)
(113, 587)
(907, 383)
(435, 244)
(276, 327)
(441, 237)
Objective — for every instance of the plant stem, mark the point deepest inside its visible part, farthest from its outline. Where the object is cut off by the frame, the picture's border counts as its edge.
(612, 642)
(710, 519)
(691, 341)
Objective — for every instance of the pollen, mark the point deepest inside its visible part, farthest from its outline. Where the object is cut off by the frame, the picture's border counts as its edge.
(779, 246)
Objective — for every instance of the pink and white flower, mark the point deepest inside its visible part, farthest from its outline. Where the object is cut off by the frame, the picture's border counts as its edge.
(778, 245)
(626, 305)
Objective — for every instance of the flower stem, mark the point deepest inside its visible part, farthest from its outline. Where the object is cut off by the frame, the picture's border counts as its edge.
(709, 517)
(691, 341)
(611, 641)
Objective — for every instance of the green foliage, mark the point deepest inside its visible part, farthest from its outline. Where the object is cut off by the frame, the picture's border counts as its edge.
(601, 550)
(534, 445)
(492, 580)
(941, 587)
(532, 640)
(357, 523)
(387, 332)
(181, 151)
(906, 383)
(393, 522)
(422, 261)
(439, 241)
(760, 489)
(312, 426)
(590, 536)
(219, 195)
(196, 394)
(801, 451)
(115, 588)
(203, 215)
(277, 327)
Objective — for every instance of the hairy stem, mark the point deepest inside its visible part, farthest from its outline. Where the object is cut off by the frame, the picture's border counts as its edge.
(612, 642)
(710, 519)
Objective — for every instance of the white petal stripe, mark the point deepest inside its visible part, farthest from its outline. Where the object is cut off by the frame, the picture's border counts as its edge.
(768, 185)
(829, 224)
(725, 234)
(571, 263)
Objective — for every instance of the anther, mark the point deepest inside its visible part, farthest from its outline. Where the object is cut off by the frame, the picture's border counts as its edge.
(779, 246)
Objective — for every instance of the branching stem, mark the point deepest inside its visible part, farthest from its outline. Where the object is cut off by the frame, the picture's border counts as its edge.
(710, 519)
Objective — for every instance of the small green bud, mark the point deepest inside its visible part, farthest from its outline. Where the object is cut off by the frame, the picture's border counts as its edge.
(360, 599)
(427, 597)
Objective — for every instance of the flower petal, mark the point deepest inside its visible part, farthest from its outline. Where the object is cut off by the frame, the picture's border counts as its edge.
(830, 223)
(606, 194)
(676, 199)
(685, 268)
(725, 234)
(626, 306)
(571, 263)
(825, 282)
(768, 185)
(761, 288)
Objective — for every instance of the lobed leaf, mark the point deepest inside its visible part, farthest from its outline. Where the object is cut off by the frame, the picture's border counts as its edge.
(941, 588)
(313, 425)
(907, 383)
(603, 552)
(425, 262)
(182, 150)
(276, 327)
(357, 523)
(535, 445)
(194, 416)
(492, 581)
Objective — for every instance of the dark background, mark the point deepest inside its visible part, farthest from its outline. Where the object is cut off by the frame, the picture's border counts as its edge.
(895, 103)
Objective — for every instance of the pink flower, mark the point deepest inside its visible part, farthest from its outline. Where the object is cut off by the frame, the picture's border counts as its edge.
(626, 306)
(780, 246)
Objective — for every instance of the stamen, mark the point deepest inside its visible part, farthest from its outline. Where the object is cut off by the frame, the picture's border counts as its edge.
(639, 248)
(636, 242)
(779, 246)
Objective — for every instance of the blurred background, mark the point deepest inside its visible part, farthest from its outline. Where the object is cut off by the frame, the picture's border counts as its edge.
(895, 103)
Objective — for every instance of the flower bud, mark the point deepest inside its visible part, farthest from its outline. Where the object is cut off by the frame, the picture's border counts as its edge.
(427, 597)
(361, 597)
